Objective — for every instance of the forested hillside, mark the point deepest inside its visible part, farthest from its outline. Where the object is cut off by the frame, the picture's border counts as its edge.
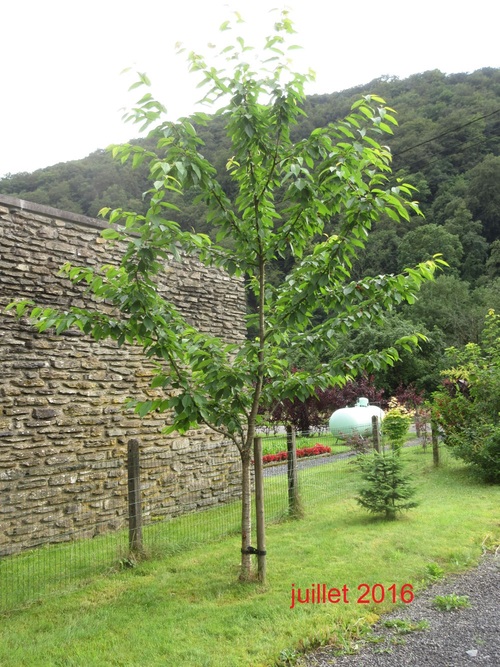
(447, 145)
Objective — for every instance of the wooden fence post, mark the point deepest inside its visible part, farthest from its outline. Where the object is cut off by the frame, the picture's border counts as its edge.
(435, 441)
(294, 504)
(134, 498)
(375, 433)
(259, 510)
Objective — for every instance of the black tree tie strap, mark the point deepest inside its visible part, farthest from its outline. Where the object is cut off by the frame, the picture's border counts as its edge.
(253, 551)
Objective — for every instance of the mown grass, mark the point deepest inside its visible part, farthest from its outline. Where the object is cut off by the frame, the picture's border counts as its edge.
(187, 609)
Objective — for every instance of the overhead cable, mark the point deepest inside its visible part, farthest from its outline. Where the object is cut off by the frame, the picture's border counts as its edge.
(443, 134)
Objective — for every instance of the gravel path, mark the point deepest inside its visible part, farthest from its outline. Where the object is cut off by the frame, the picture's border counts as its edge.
(461, 638)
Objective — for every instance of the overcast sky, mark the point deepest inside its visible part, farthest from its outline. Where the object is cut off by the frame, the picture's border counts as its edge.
(62, 93)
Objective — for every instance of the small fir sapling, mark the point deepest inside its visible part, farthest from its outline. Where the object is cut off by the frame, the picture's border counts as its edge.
(388, 491)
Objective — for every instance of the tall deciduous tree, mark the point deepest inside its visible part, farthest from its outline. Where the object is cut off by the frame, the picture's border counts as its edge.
(338, 172)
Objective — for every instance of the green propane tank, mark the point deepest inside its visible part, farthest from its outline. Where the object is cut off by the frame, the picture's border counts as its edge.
(347, 422)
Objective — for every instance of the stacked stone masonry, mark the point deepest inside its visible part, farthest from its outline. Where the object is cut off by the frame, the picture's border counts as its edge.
(63, 428)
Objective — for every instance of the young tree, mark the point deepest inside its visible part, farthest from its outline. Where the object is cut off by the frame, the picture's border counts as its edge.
(285, 193)
(388, 491)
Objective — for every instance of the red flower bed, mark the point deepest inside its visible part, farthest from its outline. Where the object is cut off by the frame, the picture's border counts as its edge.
(306, 451)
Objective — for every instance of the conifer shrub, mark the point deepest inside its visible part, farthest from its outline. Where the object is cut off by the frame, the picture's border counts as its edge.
(388, 490)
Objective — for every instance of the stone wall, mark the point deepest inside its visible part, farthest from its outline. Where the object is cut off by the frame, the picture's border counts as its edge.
(63, 430)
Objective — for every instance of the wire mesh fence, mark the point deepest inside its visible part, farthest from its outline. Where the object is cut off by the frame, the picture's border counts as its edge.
(173, 519)
(64, 540)
(329, 475)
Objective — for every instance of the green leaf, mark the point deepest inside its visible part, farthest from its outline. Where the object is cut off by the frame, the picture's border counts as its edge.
(110, 233)
(144, 408)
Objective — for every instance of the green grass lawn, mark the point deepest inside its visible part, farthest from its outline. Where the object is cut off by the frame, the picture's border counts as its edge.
(187, 609)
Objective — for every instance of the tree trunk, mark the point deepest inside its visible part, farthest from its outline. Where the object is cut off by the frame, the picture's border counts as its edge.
(246, 515)
(260, 519)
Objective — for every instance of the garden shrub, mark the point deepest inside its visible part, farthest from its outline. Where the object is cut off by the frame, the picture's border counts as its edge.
(396, 425)
(478, 445)
(467, 407)
(358, 444)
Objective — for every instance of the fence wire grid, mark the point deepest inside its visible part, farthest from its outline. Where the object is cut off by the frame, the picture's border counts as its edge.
(65, 560)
